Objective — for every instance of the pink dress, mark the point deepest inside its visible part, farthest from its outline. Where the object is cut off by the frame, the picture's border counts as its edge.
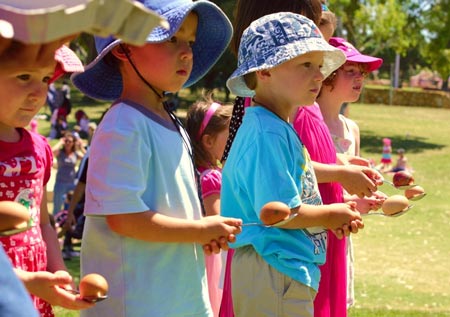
(331, 299)
(24, 170)
(211, 182)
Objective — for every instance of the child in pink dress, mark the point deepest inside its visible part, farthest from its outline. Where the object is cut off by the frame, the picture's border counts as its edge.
(345, 85)
(207, 125)
(25, 165)
(386, 156)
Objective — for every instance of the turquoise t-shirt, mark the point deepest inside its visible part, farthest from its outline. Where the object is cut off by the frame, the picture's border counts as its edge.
(140, 162)
(268, 162)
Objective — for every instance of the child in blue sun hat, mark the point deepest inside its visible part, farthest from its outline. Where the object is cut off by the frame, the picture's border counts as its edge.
(282, 62)
(144, 230)
(103, 81)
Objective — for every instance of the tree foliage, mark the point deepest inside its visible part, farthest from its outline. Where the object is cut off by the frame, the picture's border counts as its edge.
(407, 27)
(418, 30)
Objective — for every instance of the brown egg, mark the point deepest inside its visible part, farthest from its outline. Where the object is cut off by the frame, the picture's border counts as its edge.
(274, 212)
(414, 191)
(402, 178)
(394, 204)
(93, 285)
(13, 215)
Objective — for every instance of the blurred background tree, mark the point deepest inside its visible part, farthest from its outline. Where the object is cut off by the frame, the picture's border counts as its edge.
(415, 30)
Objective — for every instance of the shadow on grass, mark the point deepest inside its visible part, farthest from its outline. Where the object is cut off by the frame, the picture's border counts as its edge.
(361, 312)
(372, 143)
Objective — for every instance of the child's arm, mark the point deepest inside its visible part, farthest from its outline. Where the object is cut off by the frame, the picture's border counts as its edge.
(155, 227)
(341, 217)
(55, 261)
(355, 130)
(358, 180)
(212, 204)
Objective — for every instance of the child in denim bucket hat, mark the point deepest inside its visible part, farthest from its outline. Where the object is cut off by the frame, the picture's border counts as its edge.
(144, 229)
(282, 62)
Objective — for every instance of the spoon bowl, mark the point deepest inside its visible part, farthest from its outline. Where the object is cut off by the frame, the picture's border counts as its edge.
(399, 187)
(89, 299)
(417, 197)
(397, 214)
(10, 232)
(94, 299)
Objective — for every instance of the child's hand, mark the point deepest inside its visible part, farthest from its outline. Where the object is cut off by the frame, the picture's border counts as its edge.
(344, 219)
(346, 229)
(366, 204)
(374, 175)
(217, 232)
(360, 181)
(217, 245)
(52, 288)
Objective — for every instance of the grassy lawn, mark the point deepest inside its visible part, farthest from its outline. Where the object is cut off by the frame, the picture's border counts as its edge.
(402, 264)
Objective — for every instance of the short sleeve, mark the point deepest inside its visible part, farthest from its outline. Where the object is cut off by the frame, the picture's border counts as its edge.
(44, 151)
(211, 182)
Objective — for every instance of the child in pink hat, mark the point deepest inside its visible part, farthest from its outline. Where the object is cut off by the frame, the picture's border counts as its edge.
(26, 161)
(345, 85)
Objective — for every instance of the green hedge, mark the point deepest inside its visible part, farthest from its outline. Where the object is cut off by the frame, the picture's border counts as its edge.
(402, 97)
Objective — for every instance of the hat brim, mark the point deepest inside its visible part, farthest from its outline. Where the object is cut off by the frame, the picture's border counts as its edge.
(373, 63)
(214, 33)
(67, 62)
(99, 79)
(332, 60)
(214, 30)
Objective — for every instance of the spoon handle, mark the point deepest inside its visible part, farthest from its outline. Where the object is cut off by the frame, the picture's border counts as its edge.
(403, 187)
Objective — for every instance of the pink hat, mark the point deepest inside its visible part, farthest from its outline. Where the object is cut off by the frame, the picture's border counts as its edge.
(68, 62)
(353, 55)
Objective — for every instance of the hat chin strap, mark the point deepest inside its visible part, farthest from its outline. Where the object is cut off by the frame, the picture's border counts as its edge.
(162, 97)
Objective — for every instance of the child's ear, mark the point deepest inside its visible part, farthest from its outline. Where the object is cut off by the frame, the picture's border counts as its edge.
(121, 52)
(263, 74)
(207, 141)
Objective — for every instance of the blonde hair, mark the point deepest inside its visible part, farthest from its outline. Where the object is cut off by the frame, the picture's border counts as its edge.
(218, 122)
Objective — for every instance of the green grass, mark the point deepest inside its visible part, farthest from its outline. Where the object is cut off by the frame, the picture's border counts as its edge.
(402, 264)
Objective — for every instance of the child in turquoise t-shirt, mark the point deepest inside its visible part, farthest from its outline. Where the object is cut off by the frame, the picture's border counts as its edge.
(282, 62)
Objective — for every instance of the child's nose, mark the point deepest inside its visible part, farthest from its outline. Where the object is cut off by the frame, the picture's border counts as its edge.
(39, 90)
(319, 75)
(186, 50)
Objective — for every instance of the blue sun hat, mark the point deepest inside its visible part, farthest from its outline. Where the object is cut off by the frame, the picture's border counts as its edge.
(275, 39)
(214, 30)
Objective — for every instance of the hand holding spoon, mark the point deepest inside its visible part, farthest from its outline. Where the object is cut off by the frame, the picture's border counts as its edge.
(393, 206)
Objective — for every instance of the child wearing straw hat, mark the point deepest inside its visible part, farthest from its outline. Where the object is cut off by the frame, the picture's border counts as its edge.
(144, 229)
(282, 62)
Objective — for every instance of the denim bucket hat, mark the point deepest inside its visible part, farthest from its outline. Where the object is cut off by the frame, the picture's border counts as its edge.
(275, 39)
(101, 81)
